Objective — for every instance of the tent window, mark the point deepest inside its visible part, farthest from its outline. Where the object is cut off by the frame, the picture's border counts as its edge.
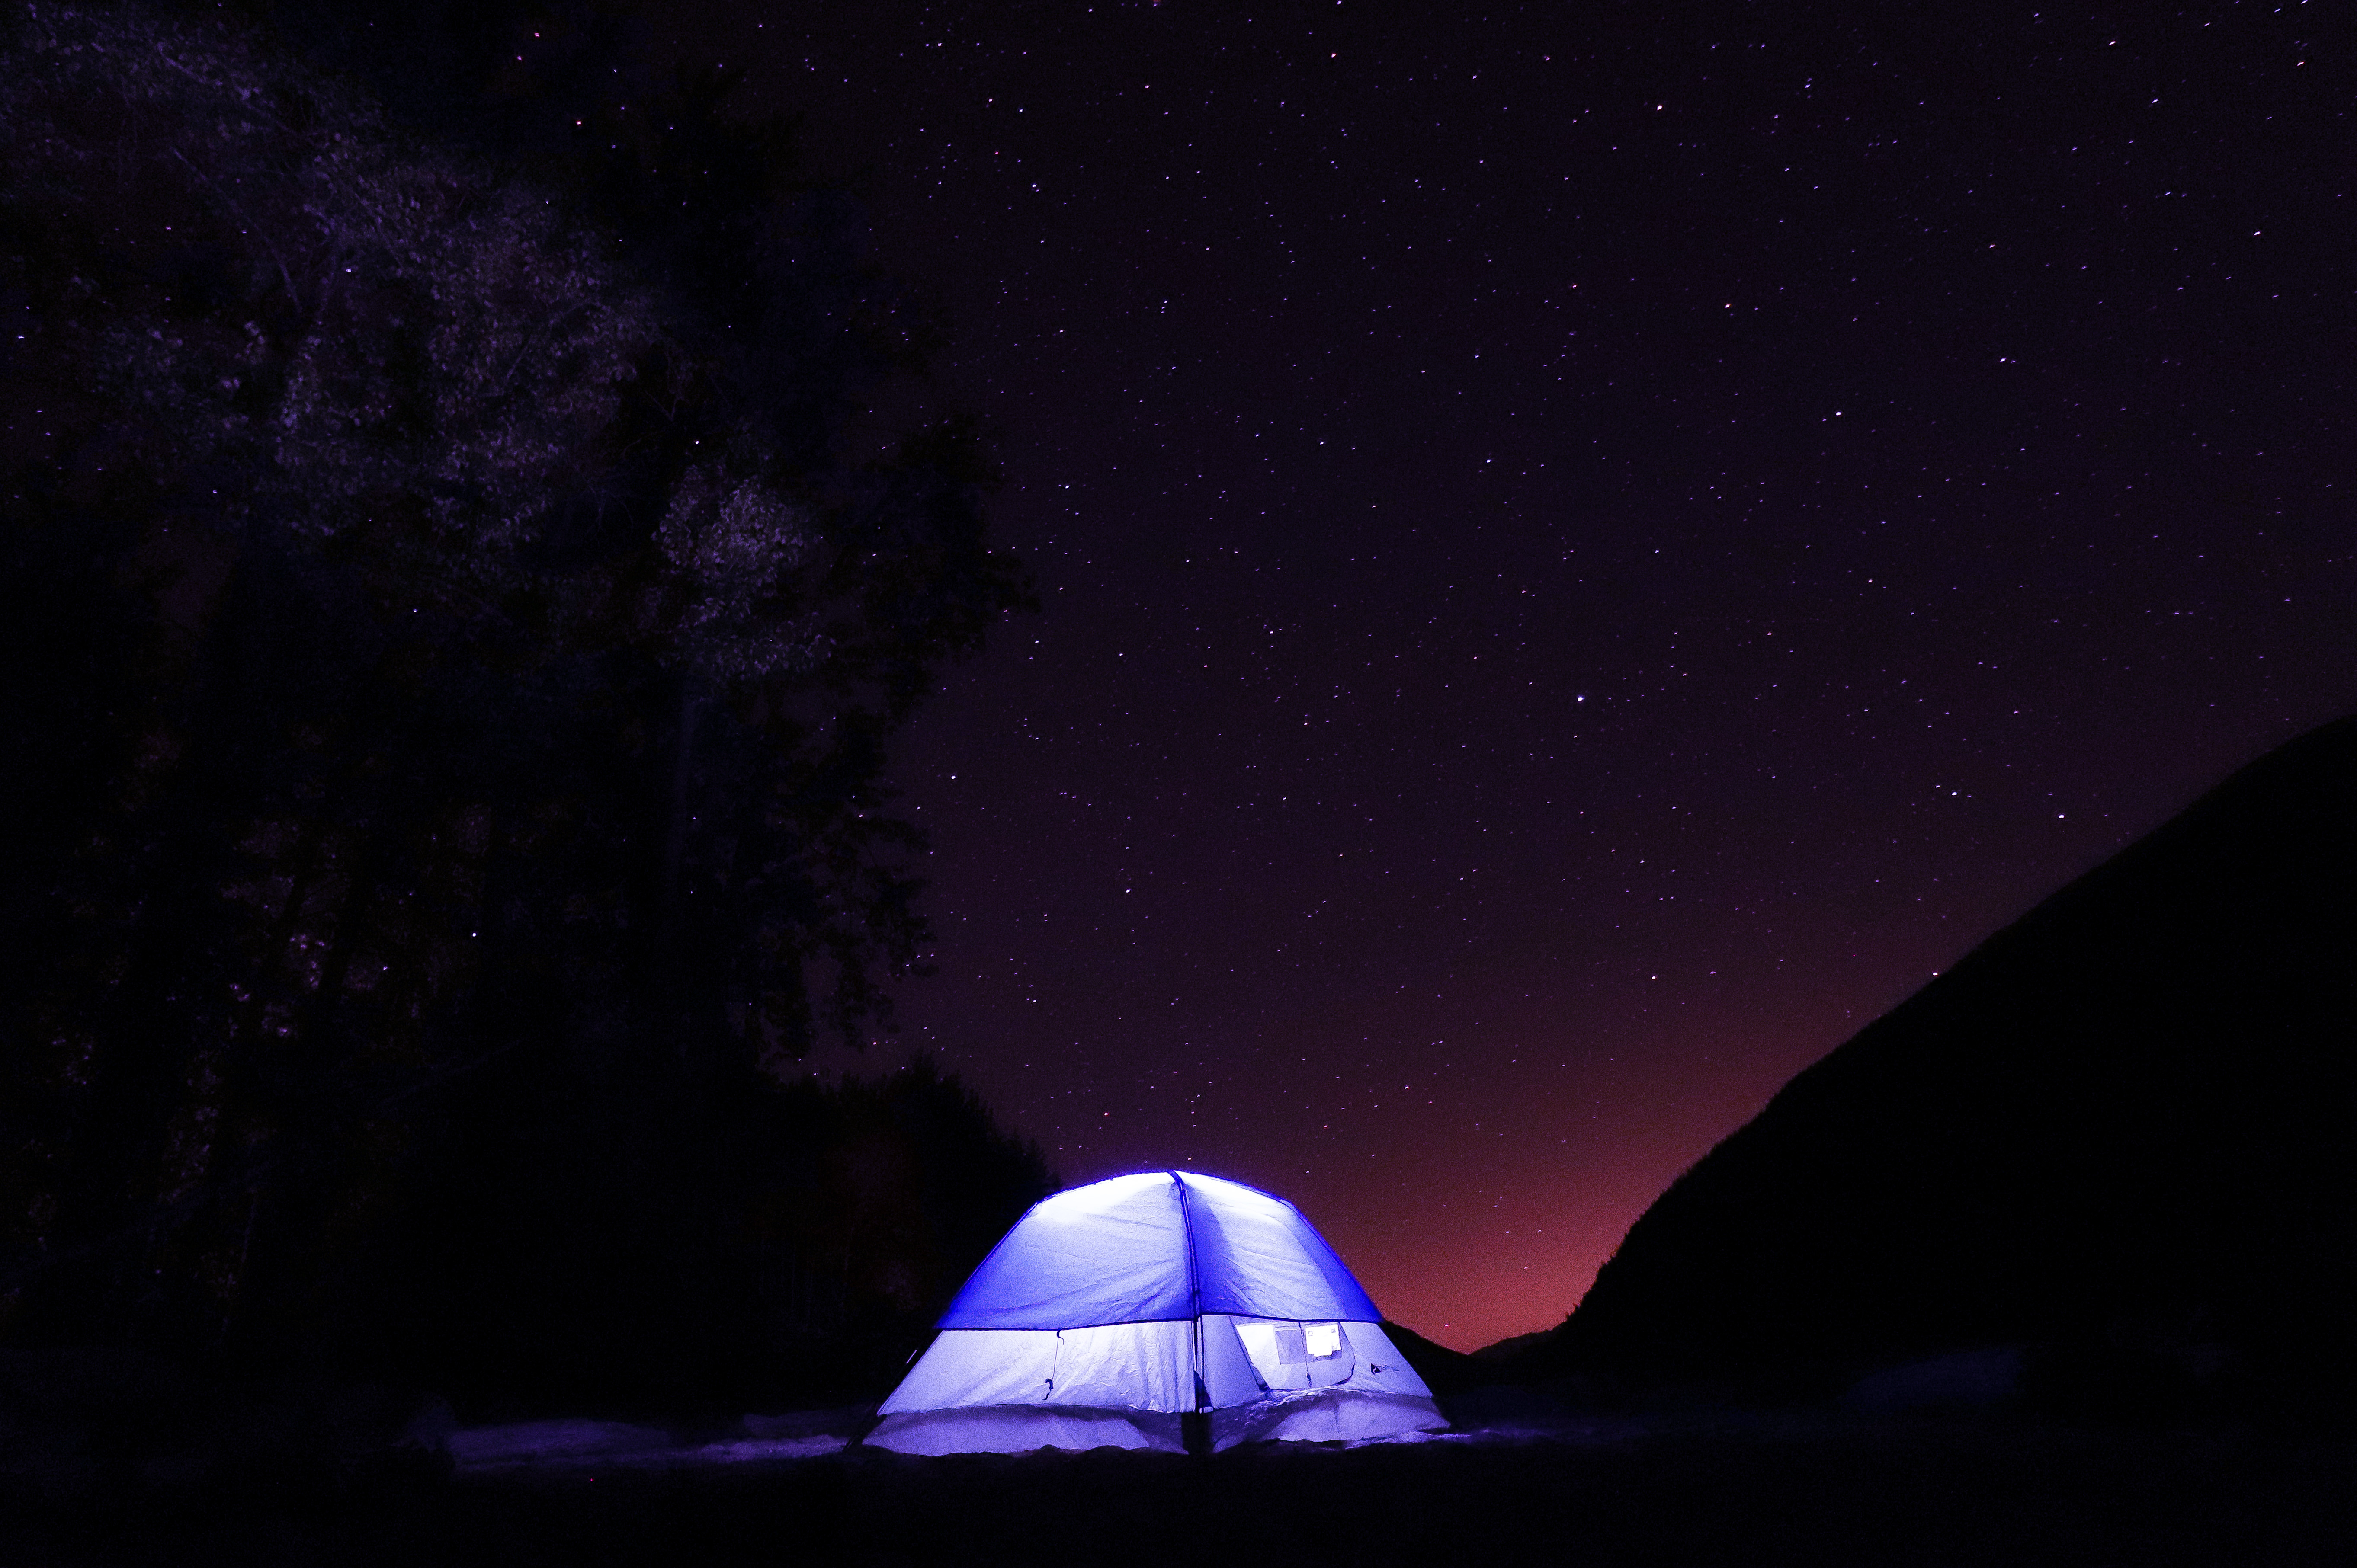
(1298, 1344)
(1297, 1355)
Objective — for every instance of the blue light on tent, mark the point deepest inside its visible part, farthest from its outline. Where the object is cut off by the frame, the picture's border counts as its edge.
(1157, 1246)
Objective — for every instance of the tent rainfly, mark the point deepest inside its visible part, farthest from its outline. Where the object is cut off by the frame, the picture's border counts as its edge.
(1113, 1313)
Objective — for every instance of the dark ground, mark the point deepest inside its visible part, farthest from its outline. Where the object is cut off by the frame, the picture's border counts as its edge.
(1813, 1489)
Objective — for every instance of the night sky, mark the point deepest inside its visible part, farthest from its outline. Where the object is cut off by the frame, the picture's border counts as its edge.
(1587, 552)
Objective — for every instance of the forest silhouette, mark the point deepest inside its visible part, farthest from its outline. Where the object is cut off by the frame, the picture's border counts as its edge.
(459, 591)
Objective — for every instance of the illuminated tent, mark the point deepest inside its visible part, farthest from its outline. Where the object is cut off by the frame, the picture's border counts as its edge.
(1112, 1311)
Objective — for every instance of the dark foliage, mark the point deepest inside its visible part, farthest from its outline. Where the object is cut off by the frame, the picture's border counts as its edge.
(1444, 1371)
(635, 1261)
(458, 587)
(2117, 1134)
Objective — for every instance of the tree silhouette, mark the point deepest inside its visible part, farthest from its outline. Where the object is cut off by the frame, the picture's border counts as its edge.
(462, 598)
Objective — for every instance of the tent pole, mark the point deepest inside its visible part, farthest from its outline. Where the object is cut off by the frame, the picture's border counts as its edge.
(1195, 1425)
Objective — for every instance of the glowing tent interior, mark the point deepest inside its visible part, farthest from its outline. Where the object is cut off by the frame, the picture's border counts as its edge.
(1113, 1313)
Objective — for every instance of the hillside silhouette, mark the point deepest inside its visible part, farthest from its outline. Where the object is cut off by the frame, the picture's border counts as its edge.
(2115, 1140)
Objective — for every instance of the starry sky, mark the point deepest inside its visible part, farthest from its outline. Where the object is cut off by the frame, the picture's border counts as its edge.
(1587, 550)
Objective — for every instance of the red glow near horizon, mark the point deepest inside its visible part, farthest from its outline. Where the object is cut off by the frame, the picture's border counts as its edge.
(1470, 1212)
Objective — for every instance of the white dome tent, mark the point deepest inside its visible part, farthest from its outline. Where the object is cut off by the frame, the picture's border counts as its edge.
(1113, 1313)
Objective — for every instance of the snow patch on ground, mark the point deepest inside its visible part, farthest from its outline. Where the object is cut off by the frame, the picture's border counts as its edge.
(575, 1444)
(533, 1440)
(1983, 1378)
(557, 1448)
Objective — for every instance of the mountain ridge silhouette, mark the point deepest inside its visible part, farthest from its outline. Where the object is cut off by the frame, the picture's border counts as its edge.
(2117, 1133)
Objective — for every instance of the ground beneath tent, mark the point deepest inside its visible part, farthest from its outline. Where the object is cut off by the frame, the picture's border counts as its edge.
(1689, 1491)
